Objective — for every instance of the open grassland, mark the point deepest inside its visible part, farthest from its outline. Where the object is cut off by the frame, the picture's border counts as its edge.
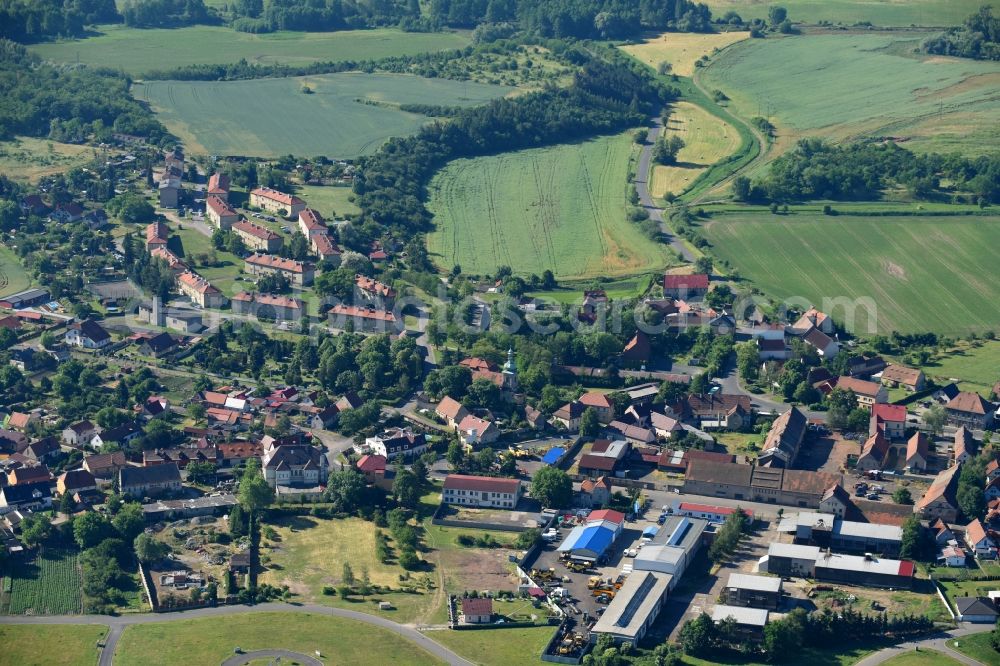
(922, 273)
(194, 246)
(976, 365)
(51, 644)
(815, 657)
(210, 642)
(498, 647)
(13, 277)
(331, 202)
(707, 140)
(681, 49)
(560, 208)
(140, 51)
(922, 658)
(27, 158)
(346, 115)
(47, 585)
(978, 647)
(852, 86)
(890, 13)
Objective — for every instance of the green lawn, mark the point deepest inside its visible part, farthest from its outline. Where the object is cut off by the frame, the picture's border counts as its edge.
(977, 364)
(210, 641)
(28, 158)
(498, 647)
(812, 656)
(48, 585)
(978, 647)
(809, 85)
(560, 208)
(188, 243)
(348, 114)
(51, 644)
(922, 274)
(331, 202)
(13, 277)
(922, 658)
(880, 12)
(161, 49)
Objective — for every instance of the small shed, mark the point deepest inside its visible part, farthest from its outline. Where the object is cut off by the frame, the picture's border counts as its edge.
(240, 563)
(553, 455)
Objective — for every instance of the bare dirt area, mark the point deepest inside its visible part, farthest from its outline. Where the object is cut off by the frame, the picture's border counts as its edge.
(480, 569)
(826, 454)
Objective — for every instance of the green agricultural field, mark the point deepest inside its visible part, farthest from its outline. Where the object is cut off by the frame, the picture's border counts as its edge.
(346, 115)
(851, 86)
(149, 50)
(51, 644)
(211, 641)
(329, 200)
(889, 13)
(923, 273)
(13, 277)
(48, 585)
(560, 208)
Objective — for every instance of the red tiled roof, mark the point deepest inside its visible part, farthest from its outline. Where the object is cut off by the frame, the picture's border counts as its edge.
(607, 514)
(197, 282)
(275, 195)
(218, 182)
(312, 220)
(859, 386)
(485, 484)
(364, 313)
(594, 399)
(695, 281)
(887, 412)
(970, 403)
(219, 207)
(273, 300)
(373, 286)
(256, 230)
(324, 245)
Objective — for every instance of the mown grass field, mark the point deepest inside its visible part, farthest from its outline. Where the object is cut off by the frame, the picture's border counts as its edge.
(561, 208)
(162, 49)
(28, 158)
(268, 117)
(707, 140)
(922, 658)
(13, 277)
(976, 365)
(978, 647)
(889, 13)
(923, 273)
(498, 647)
(49, 585)
(848, 86)
(331, 202)
(51, 644)
(681, 49)
(210, 642)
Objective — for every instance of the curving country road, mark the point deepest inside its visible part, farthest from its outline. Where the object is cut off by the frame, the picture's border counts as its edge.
(117, 624)
(938, 642)
(642, 187)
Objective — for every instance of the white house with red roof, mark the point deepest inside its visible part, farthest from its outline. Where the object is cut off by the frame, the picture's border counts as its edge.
(890, 419)
(481, 491)
(687, 287)
(257, 238)
(600, 403)
(279, 203)
(218, 186)
(220, 213)
(299, 273)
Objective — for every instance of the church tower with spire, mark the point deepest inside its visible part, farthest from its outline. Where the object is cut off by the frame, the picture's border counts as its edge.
(510, 371)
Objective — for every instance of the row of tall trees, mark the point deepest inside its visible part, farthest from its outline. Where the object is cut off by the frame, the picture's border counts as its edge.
(978, 38)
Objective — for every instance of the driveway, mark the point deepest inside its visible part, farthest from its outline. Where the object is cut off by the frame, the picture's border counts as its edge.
(117, 624)
(937, 642)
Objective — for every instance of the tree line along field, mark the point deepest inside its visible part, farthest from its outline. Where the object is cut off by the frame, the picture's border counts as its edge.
(681, 49)
(887, 13)
(561, 208)
(49, 585)
(138, 51)
(348, 114)
(707, 140)
(850, 86)
(923, 273)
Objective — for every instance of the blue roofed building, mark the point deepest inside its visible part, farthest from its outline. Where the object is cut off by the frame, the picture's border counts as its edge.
(590, 541)
(553, 455)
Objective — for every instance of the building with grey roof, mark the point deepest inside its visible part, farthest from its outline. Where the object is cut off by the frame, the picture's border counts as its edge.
(635, 607)
(753, 591)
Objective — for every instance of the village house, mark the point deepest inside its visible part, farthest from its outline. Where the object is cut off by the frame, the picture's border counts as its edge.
(311, 223)
(813, 318)
(824, 345)
(603, 457)
(218, 186)
(75, 481)
(569, 415)
(105, 466)
(397, 442)
(368, 291)
(475, 431)
(867, 394)
(158, 346)
(257, 238)
(200, 291)
(21, 476)
(29, 496)
(863, 367)
(600, 403)
(220, 213)
(87, 334)
(373, 468)
(325, 248)
(477, 611)
(149, 481)
(758, 484)
(901, 376)
(964, 445)
(781, 446)
(294, 466)
(157, 235)
(367, 319)
(120, 435)
(979, 541)
(916, 452)
(718, 411)
(970, 410)
(686, 287)
(594, 492)
(275, 202)
(42, 449)
(451, 411)
(978, 610)
(20, 420)
(272, 307)
(174, 263)
(299, 273)
(890, 419)
(169, 190)
(637, 352)
(940, 501)
(874, 452)
(481, 491)
(79, 434)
